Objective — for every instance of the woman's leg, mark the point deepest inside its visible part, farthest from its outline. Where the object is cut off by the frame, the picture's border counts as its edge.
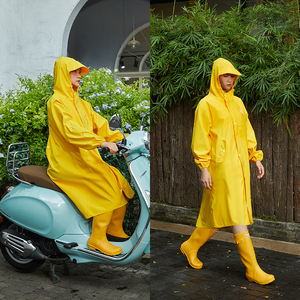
(191, 246)
(239, 229)
(243, 241)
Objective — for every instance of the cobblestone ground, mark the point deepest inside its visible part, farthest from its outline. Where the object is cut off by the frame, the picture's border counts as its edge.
(85, 281)
(223, 274)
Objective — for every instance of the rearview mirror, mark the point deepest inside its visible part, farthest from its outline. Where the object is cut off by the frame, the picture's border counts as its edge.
(115, 122)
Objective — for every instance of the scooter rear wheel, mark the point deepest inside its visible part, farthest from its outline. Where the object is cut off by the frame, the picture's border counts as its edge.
(14, 258)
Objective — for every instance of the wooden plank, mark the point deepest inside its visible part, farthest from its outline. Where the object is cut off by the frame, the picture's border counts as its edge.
(280, 159)
(267, 186)
(173, 129)
(290, 171)
(256, 184)
(156, 166)
(296, 163)
(165, 154)
(192, 172)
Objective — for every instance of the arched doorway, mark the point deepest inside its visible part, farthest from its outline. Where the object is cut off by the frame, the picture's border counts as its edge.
(100, 29)
(134, 63)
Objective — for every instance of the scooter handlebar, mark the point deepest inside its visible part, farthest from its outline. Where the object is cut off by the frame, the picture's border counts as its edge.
(105, 150)
(121, 149)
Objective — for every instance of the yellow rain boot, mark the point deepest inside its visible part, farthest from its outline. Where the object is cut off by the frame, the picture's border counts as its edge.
(191, 246)
(254, 273)
(98, 239)
(115, 228)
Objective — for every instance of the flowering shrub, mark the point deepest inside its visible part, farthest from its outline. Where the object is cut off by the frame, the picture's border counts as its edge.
(109, 96)
(23, 110)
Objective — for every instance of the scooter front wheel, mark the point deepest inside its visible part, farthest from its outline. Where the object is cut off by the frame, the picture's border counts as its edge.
(16, 260)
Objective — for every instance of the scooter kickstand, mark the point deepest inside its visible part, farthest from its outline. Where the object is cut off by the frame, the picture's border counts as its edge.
(54, 278)
(66, 268)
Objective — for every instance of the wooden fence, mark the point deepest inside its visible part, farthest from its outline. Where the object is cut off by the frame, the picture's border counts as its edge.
(175, 179)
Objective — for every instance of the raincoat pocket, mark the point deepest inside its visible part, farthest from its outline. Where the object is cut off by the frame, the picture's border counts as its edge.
(221, 152)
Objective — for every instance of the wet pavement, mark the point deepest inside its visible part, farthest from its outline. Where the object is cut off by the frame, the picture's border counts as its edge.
(223, 273)
(222, 277)
(85, 281)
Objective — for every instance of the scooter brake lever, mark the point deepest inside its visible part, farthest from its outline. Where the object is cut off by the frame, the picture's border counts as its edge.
(122, 148)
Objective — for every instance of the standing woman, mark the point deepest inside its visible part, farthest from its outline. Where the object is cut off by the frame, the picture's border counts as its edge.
(75, 132)
(223, 143)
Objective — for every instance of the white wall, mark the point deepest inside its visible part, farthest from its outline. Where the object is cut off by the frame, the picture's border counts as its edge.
(33, 34)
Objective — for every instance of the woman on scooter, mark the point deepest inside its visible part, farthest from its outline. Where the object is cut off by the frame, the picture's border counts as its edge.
(223, 143)
(75, 132)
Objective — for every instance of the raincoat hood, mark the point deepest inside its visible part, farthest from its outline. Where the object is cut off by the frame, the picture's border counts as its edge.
(221, 66)
(62, 68)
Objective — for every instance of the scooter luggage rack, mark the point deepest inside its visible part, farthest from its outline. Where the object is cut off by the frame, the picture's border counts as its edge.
(18, 160)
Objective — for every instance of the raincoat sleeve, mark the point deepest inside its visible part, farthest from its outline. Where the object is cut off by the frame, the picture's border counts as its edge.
(254, 155)
(61, 121)
(101, 128)
(201, 141)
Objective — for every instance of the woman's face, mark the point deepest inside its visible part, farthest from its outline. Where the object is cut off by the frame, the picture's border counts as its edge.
(75, 77)
(227, 81)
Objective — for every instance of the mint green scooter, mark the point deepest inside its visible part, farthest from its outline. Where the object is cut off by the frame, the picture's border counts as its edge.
(40, 222)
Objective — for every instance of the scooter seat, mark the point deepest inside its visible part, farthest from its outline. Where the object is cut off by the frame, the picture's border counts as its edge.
(37, 175)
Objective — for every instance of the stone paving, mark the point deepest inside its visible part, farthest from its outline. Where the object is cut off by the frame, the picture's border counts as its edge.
(85, 281)
(223, 273)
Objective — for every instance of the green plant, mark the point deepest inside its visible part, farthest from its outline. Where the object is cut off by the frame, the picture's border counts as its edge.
(267, 218)
(262, 42)
(23, 114)
(109, 96)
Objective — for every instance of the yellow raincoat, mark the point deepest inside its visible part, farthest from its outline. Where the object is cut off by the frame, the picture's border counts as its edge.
(75, 132)
(224, 142)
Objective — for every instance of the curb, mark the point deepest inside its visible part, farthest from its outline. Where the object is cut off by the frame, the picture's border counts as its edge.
(283, 231)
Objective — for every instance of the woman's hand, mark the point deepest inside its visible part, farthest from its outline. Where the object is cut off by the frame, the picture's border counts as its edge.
(261, 169)
(113, 148)
(206, 179)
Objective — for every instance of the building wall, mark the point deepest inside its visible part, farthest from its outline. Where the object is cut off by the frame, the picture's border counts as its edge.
(32, 34)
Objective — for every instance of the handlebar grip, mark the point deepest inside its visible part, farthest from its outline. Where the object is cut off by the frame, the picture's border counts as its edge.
(105, 150)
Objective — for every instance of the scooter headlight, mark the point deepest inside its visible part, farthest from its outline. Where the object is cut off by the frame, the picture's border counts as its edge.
(147, 140)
